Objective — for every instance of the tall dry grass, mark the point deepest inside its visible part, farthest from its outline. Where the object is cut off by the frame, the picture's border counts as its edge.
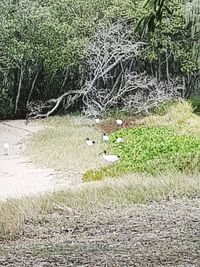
(178, 116)
(95, 196)
(61, 145)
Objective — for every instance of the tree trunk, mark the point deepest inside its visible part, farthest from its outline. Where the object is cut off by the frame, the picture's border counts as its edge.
(159, 68)
(32, 87)
(64, 81)
(167, 66)
(184, 86)
(19, 89)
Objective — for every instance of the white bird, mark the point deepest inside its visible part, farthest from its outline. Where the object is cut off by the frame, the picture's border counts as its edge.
(89, 142)
(97, 121)
(110, 158)
(6, 147)
(119, 122)
(105, 137)
(119, 140)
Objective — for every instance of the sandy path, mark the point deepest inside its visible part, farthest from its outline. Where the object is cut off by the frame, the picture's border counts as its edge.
(18, 176)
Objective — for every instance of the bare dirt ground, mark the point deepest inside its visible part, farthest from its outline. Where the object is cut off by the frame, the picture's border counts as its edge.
(111, 126)
(18, 176)
(157, 234)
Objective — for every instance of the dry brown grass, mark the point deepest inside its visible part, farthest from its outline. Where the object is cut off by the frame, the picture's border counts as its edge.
(96, 196)
(164, 233)
(179, 116)
(61, 145)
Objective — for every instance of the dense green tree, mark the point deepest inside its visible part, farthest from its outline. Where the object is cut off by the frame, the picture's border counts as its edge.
(153, 18)
(42, 44)
(193, 19)
(170, 52)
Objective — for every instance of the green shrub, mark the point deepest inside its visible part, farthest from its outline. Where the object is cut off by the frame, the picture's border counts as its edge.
(195, 101)
(152, 150)
(5, 103)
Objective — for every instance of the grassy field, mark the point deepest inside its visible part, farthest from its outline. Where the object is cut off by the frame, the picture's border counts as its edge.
(168, 139)
(148, 215)
(164, 233)
(61, 146)
(96, 196)
(164, 143)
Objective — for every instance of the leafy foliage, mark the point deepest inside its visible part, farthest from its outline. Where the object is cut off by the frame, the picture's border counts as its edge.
(42, 45)
(193, 19)
(5, 103)
(195, 101)
(156, 9)
(151, 150)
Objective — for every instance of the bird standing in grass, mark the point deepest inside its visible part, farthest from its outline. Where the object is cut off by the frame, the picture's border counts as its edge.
(109, 158)
(119, 140)
(6, 147)
(97, 120)
(105, 137)
(89, 142)
(119, 122)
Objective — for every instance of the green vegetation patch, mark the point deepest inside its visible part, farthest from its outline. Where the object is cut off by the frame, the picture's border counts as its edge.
(151, 150)
(195, 102)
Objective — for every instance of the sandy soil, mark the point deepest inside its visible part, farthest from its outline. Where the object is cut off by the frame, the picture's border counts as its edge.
(159, 234)
(18, 176)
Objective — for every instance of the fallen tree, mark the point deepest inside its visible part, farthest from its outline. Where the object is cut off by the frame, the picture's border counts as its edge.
(111, 78)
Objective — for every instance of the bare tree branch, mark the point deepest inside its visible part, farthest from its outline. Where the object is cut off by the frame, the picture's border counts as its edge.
(111, 79)
(56, 103)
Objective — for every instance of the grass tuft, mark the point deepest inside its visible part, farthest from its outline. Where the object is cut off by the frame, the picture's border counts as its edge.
(178, 116)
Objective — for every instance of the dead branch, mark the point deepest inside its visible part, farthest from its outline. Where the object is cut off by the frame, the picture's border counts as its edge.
(56, 103)
(111, 79)
(148, 93)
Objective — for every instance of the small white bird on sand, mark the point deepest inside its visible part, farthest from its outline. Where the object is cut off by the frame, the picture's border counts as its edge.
(6, 147)
(119, 140)
(89, 142)
(97, 120)
(105, 137)
(119, 122)
(110, 158)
